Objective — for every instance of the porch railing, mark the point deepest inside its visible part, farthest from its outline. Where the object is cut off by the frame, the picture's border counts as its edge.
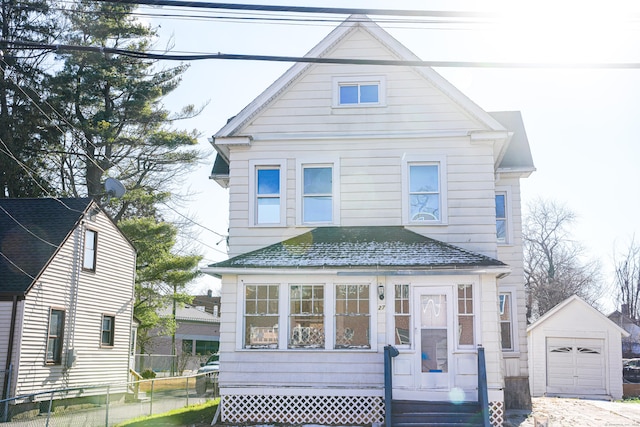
(483, 393)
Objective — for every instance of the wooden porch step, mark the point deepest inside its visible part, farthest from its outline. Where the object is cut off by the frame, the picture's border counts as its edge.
(431, 414)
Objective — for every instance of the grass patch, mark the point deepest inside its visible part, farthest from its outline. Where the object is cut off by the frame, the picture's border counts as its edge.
(193, 414)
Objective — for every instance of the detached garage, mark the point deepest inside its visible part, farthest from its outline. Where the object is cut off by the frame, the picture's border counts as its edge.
(575, 351)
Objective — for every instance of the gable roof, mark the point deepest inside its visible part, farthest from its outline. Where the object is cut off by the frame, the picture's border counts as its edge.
(234, 125)
(375, 248)
(574, 299)
(31, 232)
(517, 157)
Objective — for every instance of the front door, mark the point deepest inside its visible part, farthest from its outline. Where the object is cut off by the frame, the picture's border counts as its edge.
(434, 338)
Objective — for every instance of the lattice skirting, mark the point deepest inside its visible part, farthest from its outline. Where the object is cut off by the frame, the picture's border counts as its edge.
(496, 413)
(327, 410)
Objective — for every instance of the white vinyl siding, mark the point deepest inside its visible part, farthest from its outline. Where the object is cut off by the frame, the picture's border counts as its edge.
(85, 295)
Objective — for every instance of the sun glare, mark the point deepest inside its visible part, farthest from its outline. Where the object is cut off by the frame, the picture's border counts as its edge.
(568, 31)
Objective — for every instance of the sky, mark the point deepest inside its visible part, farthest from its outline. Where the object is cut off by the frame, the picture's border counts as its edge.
(583, 125)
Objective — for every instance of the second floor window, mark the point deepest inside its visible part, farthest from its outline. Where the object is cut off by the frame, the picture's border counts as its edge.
(501, 217)
(90, 246)
(317, 194)
(268, 203)
(424, 192)
(108, 331)
(54, 337)
(359, 93)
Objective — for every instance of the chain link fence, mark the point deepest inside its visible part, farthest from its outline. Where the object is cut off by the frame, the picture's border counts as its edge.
(164, 364)
(107, 405)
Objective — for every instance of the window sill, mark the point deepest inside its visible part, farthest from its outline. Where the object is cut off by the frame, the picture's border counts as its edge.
(510, 354)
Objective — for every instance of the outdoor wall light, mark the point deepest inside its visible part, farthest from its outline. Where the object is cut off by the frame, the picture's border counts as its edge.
(381, 291)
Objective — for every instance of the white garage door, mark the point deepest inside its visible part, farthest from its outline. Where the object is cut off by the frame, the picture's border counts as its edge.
(575, 366)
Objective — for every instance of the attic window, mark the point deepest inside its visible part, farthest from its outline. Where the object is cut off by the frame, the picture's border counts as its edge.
(358, 91)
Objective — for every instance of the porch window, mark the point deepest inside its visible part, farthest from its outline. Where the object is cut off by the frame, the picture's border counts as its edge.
(465, 316)
(505, 321)
(54, 338)
(402, 315)
(352, 316)
(107, 332)
(306, 316)
(261, 316)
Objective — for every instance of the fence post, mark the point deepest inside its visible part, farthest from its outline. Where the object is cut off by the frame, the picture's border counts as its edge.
(151, 400)
(106, 423)
(186, 391)
(49, 411)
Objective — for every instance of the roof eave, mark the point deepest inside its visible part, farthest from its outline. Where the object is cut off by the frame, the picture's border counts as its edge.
(499, 271)
(523, 172)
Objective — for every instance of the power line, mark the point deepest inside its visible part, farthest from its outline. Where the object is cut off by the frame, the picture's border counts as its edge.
(16, 266)
(304, 9)
(316, 60)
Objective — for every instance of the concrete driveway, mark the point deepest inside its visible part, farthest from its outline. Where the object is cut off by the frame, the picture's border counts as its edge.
(564, 412)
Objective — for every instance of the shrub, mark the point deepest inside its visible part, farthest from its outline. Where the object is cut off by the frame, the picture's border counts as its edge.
(148, 374)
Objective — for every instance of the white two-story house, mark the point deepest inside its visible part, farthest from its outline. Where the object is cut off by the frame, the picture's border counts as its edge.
(370, 205)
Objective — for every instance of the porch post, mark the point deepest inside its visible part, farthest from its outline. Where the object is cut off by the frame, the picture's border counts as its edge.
(389, 352)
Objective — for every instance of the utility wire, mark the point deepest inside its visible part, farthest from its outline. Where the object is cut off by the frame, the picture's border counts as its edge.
(16, 266)
(314, 60)
(303, 9)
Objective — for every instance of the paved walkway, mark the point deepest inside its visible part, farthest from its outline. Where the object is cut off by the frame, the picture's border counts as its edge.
(564, 412)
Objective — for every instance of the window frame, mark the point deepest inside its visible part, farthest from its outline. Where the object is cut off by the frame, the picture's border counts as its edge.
(352, 314)
(284, 284)
(112, 332)
(254, 167)
(504, 191)
(363, 80)
(460, 315)
(320, 316)
(441, 163)
(301, 165)
(59, 337)
(92, 252)
(244, 314)
(409, 314)
(512, 292)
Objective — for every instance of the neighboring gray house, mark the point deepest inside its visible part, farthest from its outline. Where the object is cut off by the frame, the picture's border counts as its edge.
(630, 344)
(369, 205)
(197, 334)
(66, 297)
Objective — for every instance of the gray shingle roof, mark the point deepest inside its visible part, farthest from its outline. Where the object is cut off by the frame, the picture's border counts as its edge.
(31, 230)
(363, 247)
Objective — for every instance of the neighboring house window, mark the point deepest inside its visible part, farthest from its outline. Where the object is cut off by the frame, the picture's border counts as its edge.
(54, 338)
(506, 323)
(202, 347)
(266, 189)
(261, 316)
(352, 316)
(501, 217)
(90, 246)
(107, 333)
(424, 197)
(306, 316)
(317, 194)
(465, 316)
(402, 315)
(359, 91)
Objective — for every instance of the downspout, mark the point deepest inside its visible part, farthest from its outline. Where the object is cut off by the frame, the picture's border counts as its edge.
(6, 384)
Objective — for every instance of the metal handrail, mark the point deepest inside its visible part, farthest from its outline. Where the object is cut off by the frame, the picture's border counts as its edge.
(483, 393)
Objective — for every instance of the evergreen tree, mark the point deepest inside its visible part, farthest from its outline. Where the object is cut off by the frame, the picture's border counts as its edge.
(116, 124)
(24, 123)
